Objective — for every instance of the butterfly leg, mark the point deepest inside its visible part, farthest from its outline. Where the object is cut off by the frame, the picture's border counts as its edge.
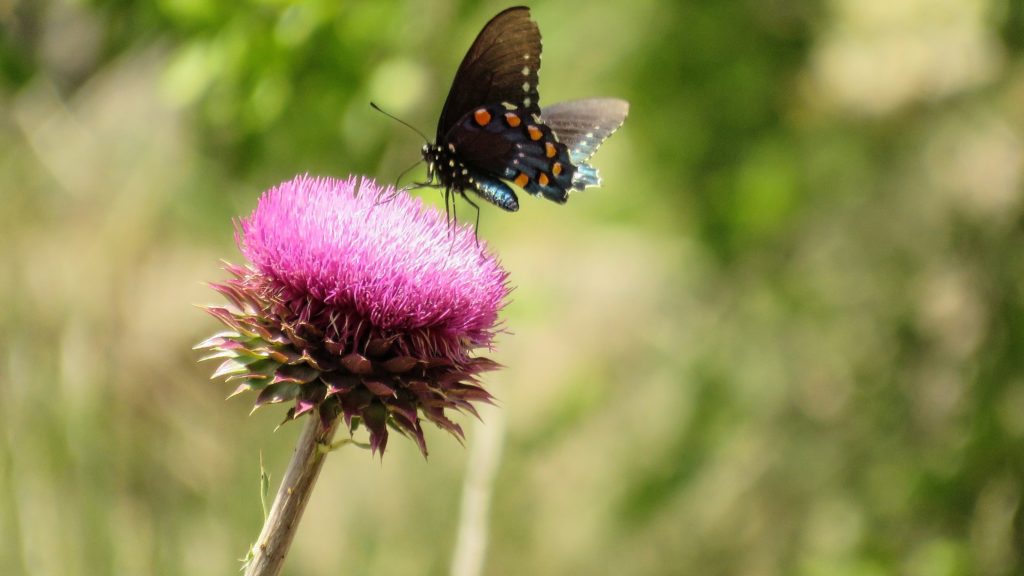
(383, 198)
(446, 193)
(406, 171)
(455, 211)
(476, 227)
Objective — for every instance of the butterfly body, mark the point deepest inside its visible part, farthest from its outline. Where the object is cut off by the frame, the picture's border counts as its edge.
(493, 130)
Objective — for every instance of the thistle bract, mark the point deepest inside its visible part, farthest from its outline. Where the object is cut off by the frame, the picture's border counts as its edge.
(359, 302)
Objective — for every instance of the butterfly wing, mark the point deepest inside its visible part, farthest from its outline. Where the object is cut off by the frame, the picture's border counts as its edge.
(583, 125)
(500, 66)
(511, 145)
(492, 127)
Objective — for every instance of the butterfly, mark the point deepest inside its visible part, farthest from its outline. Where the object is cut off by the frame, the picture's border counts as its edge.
(492, 129)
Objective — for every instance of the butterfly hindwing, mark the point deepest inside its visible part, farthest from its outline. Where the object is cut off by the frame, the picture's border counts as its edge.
(515, 145)
(583, 125)
(502, 65)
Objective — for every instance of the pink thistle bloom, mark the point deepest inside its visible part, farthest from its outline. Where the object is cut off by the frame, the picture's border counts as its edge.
(355, 307)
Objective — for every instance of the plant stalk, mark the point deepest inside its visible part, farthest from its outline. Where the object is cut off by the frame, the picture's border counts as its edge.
(279, 528)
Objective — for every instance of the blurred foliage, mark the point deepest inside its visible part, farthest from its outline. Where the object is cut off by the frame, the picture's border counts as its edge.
(785, 337)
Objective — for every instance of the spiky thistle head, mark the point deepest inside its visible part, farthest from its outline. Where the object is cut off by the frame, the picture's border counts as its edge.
(356, 307)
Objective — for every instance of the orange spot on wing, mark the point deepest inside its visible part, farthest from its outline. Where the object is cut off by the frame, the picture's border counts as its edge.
(512, 119)
(550, 150)
(556, 169)
(535, 133)
(482, 116)
(542, 179)
(522, 180)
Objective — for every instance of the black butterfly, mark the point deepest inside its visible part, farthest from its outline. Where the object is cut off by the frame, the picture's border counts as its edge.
(492, 127)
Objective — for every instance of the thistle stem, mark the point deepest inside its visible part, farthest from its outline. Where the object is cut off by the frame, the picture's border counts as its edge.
(477, 493)
(296, 487)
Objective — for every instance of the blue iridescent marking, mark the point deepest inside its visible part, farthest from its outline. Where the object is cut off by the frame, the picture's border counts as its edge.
(496, 192)
(586, 175)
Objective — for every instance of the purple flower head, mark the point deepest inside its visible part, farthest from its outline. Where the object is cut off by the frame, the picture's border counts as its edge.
(356, 306)
(395, 264)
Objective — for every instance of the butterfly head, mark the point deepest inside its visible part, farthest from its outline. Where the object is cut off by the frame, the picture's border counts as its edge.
(430, 156)
(444, 168)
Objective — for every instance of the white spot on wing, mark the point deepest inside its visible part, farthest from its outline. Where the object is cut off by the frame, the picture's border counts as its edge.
(526, 70)
(526, 86)
(526, 102)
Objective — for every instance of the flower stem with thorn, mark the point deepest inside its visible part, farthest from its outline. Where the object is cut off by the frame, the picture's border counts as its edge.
(296, 487)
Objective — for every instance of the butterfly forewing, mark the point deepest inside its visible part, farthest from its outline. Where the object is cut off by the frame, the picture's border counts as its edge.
(501, 66)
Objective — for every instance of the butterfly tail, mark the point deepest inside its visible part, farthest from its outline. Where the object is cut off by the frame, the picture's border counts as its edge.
(585, 176)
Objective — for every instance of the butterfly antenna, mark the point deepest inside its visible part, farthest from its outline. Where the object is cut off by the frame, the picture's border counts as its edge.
(400, 121)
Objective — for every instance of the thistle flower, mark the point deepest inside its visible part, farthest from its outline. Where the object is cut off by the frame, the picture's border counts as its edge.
(360, 308)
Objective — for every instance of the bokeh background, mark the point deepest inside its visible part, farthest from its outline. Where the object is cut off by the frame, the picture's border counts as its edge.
(785, 337)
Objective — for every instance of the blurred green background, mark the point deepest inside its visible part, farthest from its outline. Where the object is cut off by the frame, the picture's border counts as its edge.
(785, 337)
